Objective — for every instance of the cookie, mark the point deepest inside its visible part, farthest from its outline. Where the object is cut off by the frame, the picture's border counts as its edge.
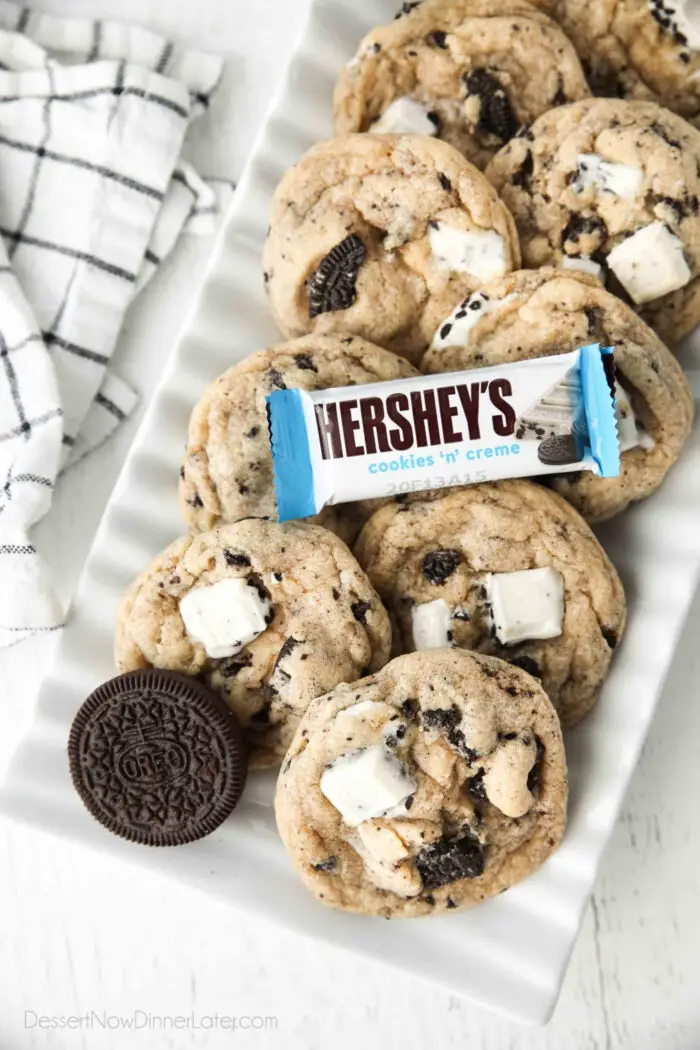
(612, 187)
(536, 313)
(638, 49)
(157, 758)
(470, 72)
(267, 615)
(227, 470)
(380, 236)
(508, 569)
(435, 784)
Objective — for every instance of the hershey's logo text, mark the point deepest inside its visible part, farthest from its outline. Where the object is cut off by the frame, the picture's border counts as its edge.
(422, 418)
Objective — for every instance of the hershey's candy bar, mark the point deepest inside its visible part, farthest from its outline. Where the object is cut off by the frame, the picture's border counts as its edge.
(543, 416)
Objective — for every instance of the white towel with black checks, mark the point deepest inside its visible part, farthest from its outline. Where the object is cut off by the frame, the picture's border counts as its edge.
(93, 195)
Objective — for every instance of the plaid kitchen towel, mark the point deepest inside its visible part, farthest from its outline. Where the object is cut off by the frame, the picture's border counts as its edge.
(93, 194)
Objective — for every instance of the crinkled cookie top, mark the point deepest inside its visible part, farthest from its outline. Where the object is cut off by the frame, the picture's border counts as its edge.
(614, 185)
(437, 562)
(437, 783)
(637, 49)
(470, 72)
(380, 236)
(269, 615)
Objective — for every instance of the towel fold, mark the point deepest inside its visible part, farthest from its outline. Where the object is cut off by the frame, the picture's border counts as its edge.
(94, 194)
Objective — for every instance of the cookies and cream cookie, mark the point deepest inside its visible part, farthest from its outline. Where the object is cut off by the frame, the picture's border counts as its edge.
(227, 470)
(536, 313)
(470, 72)
(268, 615)
(638, 49)
(433, 785)
(506, 568)
(381, 236)
(612, 187)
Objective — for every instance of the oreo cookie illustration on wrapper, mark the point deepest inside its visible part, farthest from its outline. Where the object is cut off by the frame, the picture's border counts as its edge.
(559, 450)
(157, 757)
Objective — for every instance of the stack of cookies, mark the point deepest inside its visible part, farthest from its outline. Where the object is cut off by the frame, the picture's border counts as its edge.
(480, 204)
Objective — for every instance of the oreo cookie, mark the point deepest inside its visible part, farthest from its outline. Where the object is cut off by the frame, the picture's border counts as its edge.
(157, 757)
(496, 116)
(331, 286)
(558, 451)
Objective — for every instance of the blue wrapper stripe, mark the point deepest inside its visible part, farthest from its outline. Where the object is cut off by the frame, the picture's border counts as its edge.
(599, 406)
(291, 456)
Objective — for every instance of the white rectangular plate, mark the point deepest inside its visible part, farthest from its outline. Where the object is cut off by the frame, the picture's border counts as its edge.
(509, 954)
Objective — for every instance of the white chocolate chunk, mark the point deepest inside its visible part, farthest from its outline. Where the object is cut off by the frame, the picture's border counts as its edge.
(582, 262)
(404, 116)
(622, 180)
(366, 783)
(481, 254)
(455, 329)
(505, 779)
(650, 263)
(431, 623)
(225, 616)
(527, 604)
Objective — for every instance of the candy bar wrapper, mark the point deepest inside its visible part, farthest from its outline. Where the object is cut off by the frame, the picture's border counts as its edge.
(544, 416)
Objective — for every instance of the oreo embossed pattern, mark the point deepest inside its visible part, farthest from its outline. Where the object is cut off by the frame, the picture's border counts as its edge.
(157, 758)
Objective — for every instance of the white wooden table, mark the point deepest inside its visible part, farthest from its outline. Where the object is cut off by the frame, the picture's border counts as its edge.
(77, 935)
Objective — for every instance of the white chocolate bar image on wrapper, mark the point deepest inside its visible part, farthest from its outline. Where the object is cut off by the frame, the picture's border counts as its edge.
(549, 415)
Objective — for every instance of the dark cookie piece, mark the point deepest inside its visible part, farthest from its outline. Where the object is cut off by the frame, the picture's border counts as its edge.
(438, 565)
(521, 177)
(232, 558)
(558, 451)
(446, 861)
(305, 362)
(441, 718)
(447, 720)
(409, 708)
(276, 379)
(391, 740)
(332, 285)
(329, 864)
(234, 666)
(360, 610)
(533, 777)
(495, 115)
(157, 757)
(406, 8)
(587, 233)
(475, 786)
